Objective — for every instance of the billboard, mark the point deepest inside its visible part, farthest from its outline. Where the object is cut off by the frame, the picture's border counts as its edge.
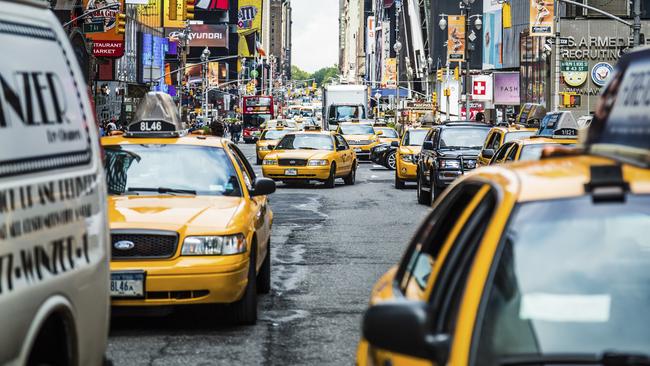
(541, 17)
(506, 88)
(211, 4)
(173, 13)
(492, 40)
(106, 18)
(249, 16)
(389, 74)
(482, 87)
(456, 38)
(149, 14)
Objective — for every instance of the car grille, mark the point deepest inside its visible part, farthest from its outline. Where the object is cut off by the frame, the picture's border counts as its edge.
(292, 162)
(359, 142)
(146, 245)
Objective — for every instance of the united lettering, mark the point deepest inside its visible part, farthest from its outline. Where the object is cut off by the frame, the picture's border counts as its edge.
(31, 98)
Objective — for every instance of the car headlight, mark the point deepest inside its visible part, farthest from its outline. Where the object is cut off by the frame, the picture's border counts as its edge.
(270, 162)
(408, 157)
(317, 162)
(449, 164)
(267, 147)
(214, 245)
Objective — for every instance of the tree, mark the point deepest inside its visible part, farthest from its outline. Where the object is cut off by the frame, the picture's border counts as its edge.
(326, 74)
(299, 74)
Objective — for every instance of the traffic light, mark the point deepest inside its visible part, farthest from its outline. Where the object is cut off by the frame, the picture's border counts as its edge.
(120, 26)
(570, 99)
(440, 74)
(456, 73)
(434, 97)
(189, 9)
(446, 92)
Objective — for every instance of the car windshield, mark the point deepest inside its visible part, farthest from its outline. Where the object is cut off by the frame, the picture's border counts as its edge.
(274, 134)
(343, 112)
(534, 152)
(571, 278)
(463, 137)
(305, 142)
(307, 113)
(357, 130)
(414, 137)
(388, 132)
(518, 135)
(255, 120)
(153, 169)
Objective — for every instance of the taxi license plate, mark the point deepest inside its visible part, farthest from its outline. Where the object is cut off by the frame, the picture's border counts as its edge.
(127, 284)
(356, 149)
(290, 172)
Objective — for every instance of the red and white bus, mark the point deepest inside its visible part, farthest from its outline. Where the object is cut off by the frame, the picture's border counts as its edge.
(256, 110)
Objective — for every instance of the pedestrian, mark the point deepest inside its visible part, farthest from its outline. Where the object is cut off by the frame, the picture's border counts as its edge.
(217, 127)
(480, 117)
(235, 131)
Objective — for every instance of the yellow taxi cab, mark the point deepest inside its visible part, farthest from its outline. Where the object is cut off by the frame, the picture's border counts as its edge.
(500, 135)
(311, 155)
(386, 134)
(562, 133)
(531, 263)
(268, 139)
(189, 219)
(360, 135)
(408, 149)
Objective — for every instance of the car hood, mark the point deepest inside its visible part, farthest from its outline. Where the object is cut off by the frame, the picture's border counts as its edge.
(456, 153)
(410, 149)
(176, 213)
(359, 137)
(299, 154)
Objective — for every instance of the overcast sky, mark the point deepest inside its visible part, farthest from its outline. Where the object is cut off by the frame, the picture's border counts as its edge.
(315, 33)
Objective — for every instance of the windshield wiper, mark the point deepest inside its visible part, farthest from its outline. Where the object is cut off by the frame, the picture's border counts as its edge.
(162, 190)
(607, 359)
(307, 148)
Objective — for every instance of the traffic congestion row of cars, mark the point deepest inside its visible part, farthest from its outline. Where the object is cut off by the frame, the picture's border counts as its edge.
(542, 260)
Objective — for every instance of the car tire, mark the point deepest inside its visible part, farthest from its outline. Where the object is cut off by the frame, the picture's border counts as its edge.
(437, 191)
(329, 183)
(244, 311)
(390, 161)
(424, 198)
(352, 177)
(399, 184)
(264, 276)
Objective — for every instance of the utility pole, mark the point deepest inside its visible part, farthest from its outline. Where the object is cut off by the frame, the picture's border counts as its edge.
(636, 28)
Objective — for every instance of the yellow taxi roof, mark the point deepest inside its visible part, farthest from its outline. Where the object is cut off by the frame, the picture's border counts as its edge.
(553, 178)
(538, 140)
(197, 140)
(513, 128)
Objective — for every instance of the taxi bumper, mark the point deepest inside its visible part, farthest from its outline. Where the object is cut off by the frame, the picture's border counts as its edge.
(187, 280)
(261, 153)
(406, 171)
(301, 172)
(362, 151)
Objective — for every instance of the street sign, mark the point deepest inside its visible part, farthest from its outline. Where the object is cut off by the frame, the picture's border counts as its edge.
(564, 41)
(93, 27)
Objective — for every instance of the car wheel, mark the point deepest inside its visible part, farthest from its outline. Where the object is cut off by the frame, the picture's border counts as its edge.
(399, 184)
(424, 198)
(352, 177)
(264, 277)
(437, 191)
(329, 183)
(244, 311)
(390, 161)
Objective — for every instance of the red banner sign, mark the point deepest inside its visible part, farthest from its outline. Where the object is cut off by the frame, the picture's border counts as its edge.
(113, 49)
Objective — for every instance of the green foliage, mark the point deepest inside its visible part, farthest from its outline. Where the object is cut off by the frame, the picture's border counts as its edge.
(321, 76)
(299, 74)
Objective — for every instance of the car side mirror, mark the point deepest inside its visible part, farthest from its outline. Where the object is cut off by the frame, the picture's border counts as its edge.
(394, 143)
(263, 187)
(488, 153)
(427, 145)
(404, 327)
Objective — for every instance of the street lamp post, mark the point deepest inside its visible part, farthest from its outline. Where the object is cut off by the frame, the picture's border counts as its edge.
(205, 56)
(397, 47)
(377, 96)
(465, 7)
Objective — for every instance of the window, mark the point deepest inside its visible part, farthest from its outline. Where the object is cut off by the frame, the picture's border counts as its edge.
(512, 154)
(143, 169)
(594, 296)
(415, 270)
(501, 153)
(244, 166)
(489, 144)
(340, 141)
(414, 137)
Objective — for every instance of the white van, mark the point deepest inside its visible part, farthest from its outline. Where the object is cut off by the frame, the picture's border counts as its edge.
(54, 274)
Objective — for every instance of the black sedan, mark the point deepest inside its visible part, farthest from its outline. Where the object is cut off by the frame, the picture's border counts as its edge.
(384, 154)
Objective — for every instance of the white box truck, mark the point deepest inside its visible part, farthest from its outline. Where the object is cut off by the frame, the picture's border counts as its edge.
(343, 103)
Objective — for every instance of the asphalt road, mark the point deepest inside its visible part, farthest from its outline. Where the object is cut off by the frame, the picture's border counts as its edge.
(329, 248)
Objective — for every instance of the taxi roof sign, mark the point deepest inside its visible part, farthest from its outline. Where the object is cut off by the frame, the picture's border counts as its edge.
(621, 123)
(558, 124)
(156, 116)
